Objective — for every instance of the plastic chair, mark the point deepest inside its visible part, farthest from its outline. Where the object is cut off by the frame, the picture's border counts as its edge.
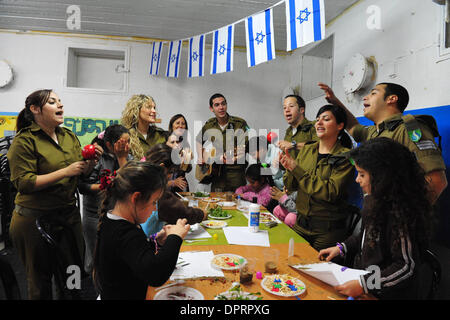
(9, 280)
(49, 234)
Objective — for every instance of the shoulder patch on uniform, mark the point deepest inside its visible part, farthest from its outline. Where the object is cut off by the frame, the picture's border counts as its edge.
(426, 145)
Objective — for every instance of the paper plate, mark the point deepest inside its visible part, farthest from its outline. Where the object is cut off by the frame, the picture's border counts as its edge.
(212, 224)
(179, 293)
(226, 204)
(283, 285)
(228, 261)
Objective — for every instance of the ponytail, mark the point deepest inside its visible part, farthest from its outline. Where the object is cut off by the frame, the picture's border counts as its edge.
(38, 98)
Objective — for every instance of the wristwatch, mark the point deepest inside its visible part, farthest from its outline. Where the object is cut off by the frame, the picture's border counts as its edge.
(294, 144)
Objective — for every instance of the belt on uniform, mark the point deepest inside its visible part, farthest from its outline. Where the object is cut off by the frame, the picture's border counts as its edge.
(315, 224)
(36, 213)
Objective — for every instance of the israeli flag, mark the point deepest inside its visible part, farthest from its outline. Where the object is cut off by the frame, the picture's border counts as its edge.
(156, 56)
(173, 59)
(260, 40)
(222, 50)
(305, 22)
(196, 65)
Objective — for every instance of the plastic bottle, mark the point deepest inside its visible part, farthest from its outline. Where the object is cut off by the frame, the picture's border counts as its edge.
(238, 201)
(253, 217)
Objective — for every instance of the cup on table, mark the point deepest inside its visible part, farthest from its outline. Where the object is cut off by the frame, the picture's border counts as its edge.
(218, 189)
(247, 270)
(229, 196)
(271, 257)
(186, 202)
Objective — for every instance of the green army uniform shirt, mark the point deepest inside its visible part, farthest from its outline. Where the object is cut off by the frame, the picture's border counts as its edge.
(427, 153)
(322, 185)
(305, 132)
(155, 136)
(34, 153)
(235, 172)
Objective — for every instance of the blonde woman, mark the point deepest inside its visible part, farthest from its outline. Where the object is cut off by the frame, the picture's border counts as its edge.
(139, 117)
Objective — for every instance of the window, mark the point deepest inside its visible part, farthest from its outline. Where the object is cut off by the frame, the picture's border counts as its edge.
(97, 68)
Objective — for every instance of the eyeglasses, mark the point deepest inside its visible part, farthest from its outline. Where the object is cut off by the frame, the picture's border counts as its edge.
(223, 103)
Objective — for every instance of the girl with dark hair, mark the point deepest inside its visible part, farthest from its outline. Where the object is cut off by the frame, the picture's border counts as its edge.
(170, 207)
(258, 185)
(125, 262)
(45, 161)
(323, 174)
(178, 139)
(115, 140)
(395, 221)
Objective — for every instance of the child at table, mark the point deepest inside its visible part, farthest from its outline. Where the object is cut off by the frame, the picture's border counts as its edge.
(258, 185)
(125, 262)
(286, 211)
(395, 222)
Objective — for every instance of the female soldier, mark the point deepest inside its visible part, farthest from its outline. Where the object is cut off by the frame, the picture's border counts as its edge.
(139, 117)
(45, 162)
(177, 139)
(323, 174)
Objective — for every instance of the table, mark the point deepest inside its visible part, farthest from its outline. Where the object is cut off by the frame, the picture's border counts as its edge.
(279, 237)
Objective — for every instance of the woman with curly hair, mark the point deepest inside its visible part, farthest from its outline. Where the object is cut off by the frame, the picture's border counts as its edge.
(395, 221)
(139, 117)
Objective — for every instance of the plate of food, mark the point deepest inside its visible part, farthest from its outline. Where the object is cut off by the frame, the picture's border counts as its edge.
(265, 217)
(179, 293)
(212, 224)
(226, 204)
(218, 213)
(228, 261)
(283, 285)
(236, 293)
(201, 195)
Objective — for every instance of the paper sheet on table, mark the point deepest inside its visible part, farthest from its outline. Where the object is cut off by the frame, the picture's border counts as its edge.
(242, 236)
(330, 273)
(198, 232)
(199, 266)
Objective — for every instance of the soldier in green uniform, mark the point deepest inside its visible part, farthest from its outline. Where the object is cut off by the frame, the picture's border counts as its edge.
(323, 174)
(227, 135)
(300, 131)
(384, 105)
(45, 162)
(139, 116)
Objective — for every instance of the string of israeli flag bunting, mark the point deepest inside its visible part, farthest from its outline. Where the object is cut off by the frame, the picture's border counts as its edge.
(305, 23)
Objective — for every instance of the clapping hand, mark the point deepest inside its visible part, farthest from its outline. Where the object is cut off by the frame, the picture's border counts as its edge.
(288, 162)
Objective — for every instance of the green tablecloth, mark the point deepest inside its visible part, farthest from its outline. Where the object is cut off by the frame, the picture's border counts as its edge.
(278, 234)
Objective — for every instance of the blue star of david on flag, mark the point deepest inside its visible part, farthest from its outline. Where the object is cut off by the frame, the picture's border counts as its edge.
(222, 50)
(155, 57)
(259, 37)
(173, 58)
(195, 56)
(304, 14)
